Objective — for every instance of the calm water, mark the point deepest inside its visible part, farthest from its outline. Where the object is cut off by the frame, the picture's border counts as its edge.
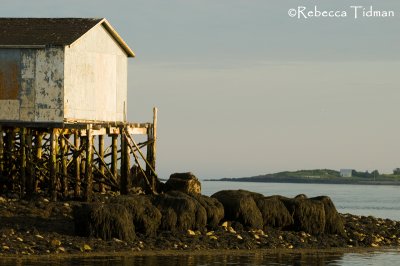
(379, 201)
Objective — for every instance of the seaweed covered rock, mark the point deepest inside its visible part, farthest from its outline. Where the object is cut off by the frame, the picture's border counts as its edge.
(180, 212)
(308, 215)
(333, 221)
(145, 216)
(104, 221)
(274, 212)
(239, 205)
(214, 209)
(184, 182)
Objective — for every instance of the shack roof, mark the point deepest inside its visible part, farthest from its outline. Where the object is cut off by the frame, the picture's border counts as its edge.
(20, 32)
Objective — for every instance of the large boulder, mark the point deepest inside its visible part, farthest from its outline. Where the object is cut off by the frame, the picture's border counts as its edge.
(308, 215)
(214, 209)
(333, 221)
(180, 212)
(145, 216)
(274, 212)
(104, 221)
(184, 182)
(239, 205)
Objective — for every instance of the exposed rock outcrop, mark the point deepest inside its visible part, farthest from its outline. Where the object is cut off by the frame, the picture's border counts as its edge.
(105, 221)
(240, 206)
(184, 182)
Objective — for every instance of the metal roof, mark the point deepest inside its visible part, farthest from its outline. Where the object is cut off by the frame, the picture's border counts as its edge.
(32, 32)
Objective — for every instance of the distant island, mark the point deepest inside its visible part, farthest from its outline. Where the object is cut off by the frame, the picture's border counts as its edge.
(323, 176)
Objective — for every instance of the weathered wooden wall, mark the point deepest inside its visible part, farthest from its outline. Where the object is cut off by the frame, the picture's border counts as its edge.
(95, 78)
(31, 85)
(86, 81)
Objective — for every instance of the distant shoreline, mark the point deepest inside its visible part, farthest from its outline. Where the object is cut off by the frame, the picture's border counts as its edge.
(321, 176)
(308, 181)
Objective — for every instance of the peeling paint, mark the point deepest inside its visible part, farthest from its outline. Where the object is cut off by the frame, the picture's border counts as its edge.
(9, 110)
(49, 84)
(84, 81)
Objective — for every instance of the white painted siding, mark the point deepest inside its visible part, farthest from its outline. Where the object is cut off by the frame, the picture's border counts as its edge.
(95, 84)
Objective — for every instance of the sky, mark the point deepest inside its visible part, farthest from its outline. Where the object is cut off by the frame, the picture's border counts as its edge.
(244, 89)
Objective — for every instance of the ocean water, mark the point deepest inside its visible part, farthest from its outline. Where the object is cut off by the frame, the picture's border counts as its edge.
(378, 201)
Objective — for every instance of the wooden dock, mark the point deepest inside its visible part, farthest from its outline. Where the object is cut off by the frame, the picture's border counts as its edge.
(76, 158)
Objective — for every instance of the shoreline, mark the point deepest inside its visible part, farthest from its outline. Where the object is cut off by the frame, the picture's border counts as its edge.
(307, 181)
(44, 229)
(212, 252)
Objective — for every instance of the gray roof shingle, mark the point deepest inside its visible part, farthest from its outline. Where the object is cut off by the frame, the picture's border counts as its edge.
(44, 31)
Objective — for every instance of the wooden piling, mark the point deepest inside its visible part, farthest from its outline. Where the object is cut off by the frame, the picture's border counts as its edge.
(53, 164)
(45, 159)
(114, 155)
(22, 142)
(101, 159)
(1, 151)
(77, 164)
(39, 152)
(29, 165)
(88, 167)
(125, 164)
(9, 159)
(151, 151)
(64, 170)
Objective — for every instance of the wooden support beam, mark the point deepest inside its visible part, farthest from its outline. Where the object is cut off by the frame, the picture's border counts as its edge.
(22, 140)
(9, 158)
(125, 164)
(89, 168)
(101, 157)
(30, 173)
(150, 187)
(151, 151)
(38, 159)
(64, 170)
(1, 151)
(136, 147)
(53, 164)
(77, 163)
(114, 156)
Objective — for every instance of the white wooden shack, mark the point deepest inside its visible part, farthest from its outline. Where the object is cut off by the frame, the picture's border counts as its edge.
(63, 98)
(62, 70)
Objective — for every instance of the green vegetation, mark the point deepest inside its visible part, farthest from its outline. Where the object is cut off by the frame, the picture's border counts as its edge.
(325, 176)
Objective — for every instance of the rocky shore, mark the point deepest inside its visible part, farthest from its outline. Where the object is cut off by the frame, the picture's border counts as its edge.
(174, 220)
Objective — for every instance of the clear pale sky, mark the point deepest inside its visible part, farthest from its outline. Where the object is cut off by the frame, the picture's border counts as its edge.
(243, 89)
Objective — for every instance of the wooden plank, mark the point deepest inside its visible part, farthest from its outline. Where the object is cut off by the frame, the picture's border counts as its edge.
(137, 130)
(94, 132)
